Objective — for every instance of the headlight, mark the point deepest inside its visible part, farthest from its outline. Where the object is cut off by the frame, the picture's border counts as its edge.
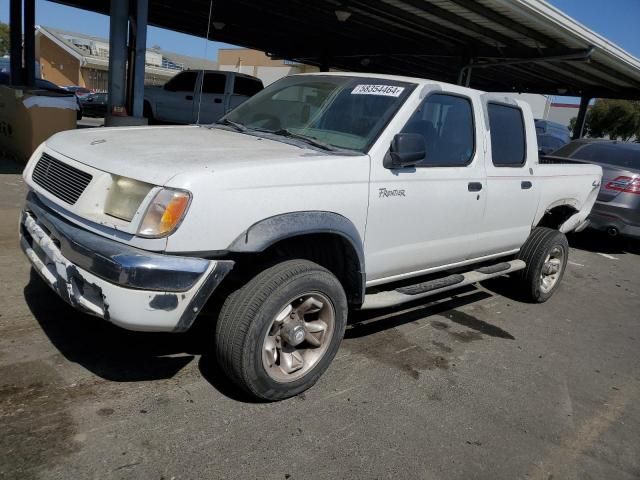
(164, 213)
(125, 196)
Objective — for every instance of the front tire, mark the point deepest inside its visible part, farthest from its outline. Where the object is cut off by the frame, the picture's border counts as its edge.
(545, 252)
(277, 334)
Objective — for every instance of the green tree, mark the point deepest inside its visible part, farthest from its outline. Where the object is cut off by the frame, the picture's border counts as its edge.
(4, 39)
(618, 119)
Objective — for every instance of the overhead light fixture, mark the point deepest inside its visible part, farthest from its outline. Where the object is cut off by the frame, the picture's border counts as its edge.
(218, 25)
(342, 15)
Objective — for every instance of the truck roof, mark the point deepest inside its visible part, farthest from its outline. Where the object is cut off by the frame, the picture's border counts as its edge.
(417, 80)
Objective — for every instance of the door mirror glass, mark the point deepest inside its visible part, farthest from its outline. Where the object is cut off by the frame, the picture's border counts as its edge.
(407, 149)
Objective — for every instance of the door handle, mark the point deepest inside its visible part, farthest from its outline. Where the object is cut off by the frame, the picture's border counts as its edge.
(474, 186)
(189, 97)
(526, 185)
(217, 100)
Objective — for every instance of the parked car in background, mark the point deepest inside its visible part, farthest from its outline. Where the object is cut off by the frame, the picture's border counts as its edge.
(79, 91)
(5, 79)
(95, 104)
(617, 209)
(551, 136)
(178, 101)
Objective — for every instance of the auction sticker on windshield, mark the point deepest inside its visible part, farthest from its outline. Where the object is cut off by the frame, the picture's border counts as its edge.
(385, 90)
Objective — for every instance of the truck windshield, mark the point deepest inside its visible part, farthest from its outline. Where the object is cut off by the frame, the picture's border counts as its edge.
(342, 112)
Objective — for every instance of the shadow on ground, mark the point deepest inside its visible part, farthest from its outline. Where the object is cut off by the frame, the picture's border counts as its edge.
(599, 242)
(9, 166)
(123, 356)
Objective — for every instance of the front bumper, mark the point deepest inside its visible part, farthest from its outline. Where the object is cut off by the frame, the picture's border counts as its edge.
(132, 288)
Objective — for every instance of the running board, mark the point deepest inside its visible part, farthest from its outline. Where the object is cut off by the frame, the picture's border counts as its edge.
(433, 287)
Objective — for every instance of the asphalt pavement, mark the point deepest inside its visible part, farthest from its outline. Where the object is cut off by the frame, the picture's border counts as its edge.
(475, 386)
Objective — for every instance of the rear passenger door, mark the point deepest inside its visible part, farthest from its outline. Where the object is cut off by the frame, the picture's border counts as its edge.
(512, 189)
(210, 105)
(176, 102)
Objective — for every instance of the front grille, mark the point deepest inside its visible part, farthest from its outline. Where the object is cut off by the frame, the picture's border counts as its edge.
(59, 179)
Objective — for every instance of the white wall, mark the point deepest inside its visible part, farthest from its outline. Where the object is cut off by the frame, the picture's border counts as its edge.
(539, 103)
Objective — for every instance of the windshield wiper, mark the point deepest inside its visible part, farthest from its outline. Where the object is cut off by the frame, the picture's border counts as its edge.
(238, 126)
(283, 132)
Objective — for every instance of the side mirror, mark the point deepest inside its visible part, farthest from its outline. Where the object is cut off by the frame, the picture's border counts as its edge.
(406, 150)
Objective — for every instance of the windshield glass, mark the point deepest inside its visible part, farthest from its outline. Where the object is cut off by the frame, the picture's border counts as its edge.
(344, 112)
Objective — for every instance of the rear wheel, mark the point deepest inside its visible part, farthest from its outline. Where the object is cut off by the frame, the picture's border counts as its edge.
(147, 113)
(545, 252)
(278, 333)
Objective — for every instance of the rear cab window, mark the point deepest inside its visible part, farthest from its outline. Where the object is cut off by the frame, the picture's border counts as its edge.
(508, 140)
(246, 86)
(183, 82)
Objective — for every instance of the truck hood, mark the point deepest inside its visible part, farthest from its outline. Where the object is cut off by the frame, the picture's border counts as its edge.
(156, 154)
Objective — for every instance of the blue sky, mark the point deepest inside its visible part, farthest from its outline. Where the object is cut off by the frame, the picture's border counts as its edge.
(618, 21)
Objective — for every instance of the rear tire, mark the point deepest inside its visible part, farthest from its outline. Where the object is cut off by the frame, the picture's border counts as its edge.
(261, 325)
(147, 113)
(545, 252)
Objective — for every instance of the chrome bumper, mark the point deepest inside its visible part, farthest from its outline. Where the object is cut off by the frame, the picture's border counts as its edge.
(133, 288)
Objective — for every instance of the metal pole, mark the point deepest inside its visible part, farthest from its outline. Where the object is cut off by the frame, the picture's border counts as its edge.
(30, 42)
(15, 52)
(141, 16)
(578, 129)
(117, 79)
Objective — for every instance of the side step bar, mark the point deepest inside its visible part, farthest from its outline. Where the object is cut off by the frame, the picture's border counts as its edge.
(432, 287)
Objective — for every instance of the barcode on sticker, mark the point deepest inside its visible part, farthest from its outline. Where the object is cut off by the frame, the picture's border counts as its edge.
(385, 90)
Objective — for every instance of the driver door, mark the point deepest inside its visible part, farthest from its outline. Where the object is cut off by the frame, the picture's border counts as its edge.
(425, 217)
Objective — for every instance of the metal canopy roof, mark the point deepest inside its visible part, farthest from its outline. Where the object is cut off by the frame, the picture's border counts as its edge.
(511, 45)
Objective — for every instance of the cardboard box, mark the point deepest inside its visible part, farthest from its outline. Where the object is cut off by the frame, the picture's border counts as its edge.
(29, 117)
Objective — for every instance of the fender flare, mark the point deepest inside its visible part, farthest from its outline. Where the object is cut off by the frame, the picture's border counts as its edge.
(267, 232)
(261, 235)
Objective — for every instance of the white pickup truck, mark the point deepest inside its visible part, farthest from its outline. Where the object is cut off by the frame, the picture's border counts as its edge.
(321, 194)
(179, 100)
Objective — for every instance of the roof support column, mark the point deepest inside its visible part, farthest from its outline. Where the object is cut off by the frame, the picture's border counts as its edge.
(117, 79)
(15, 52)
(138, 48)
(30, 42)
(578, 129)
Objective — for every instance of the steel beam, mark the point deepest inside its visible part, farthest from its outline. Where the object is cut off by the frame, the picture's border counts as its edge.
(15, 39)
(138, 45)
(578, 129)
(117, 77)
(29, 42)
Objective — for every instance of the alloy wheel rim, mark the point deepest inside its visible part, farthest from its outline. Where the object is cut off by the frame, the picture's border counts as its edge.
(551, 269)
(298, 337)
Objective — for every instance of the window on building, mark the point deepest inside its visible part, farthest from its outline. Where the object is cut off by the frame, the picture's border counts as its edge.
(508, 145)
(446, 123)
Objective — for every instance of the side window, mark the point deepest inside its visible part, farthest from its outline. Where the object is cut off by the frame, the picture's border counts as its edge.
(183, 82)
(508, 146)
(446, 123)
(214, 83)
(246, 86)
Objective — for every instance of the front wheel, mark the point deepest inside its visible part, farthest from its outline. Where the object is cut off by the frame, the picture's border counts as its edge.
(277, 334)
(545, 252)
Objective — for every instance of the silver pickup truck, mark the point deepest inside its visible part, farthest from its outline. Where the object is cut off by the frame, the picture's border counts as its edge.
(180, 101)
